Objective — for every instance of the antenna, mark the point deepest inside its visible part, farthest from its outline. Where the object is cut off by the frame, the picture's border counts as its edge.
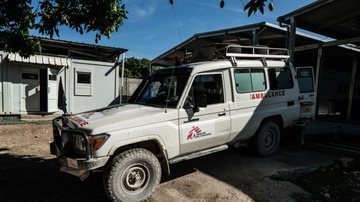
(176, 21)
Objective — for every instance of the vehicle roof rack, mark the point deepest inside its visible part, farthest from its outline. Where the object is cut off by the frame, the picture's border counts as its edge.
(256, 52)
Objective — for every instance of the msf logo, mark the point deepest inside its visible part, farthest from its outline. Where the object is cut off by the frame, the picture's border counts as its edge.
(193, 132)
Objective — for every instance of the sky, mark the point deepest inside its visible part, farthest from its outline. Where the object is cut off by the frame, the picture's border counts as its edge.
(155, 26)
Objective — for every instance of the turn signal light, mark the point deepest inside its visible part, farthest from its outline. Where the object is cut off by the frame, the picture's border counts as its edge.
(97, 141)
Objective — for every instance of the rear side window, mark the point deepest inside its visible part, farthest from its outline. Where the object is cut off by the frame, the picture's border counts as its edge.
(305, 80)
(280, 78)
(250, 80)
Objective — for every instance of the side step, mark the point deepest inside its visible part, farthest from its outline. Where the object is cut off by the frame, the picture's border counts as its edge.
(198, 154)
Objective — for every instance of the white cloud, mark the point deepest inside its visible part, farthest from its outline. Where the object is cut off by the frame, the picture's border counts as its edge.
(141, 9)
(214, 5)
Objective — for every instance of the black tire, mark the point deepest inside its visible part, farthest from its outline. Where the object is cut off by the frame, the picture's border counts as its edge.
(267, 139)
(132, 175)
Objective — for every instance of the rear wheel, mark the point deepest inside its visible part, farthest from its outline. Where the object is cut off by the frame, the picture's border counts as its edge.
(267, 139)
(132, 176)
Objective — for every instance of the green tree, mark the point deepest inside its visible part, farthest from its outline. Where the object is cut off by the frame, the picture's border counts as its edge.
(134, 67)
(18, 17)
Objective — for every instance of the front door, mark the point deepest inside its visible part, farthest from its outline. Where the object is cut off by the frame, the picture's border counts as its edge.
(305, 77)
(52, 90)
(210, 125)
(30, 91)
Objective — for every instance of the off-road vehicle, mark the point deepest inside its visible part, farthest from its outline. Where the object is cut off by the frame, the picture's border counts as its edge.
(183, 112)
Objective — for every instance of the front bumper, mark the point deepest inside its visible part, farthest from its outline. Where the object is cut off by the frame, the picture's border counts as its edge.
(77, 166)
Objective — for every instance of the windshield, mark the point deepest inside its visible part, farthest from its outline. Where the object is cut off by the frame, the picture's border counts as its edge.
(164, 88)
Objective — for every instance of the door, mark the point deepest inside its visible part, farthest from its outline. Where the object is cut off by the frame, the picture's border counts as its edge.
(305, 78)
(208, 126)
(30, 91)
(52, 90)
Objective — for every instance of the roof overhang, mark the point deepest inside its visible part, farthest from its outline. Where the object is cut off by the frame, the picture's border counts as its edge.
(39, 59)
(338, 19)
(269, 35)
(75, 50)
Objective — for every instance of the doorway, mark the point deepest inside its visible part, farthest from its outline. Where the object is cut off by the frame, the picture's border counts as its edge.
(30, 91)
(43, 90)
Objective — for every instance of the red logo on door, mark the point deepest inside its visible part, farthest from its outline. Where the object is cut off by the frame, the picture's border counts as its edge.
(193, 132)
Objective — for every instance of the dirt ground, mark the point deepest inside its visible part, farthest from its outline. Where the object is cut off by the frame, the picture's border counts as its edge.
(28, 172)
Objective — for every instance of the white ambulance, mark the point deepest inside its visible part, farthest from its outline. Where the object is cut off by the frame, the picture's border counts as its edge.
(250, 95)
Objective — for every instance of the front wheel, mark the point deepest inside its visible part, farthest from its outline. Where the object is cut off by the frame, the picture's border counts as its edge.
(132, 176)
(267, 139)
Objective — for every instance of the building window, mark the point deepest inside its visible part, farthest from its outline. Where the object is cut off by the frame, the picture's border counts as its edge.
(280, 78)
(83, 85)
(84, 77)
(52, 77)
(250, 80)
(30, 76)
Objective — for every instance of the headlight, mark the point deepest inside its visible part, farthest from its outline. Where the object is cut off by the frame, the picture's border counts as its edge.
(79, 143)
(95, 142)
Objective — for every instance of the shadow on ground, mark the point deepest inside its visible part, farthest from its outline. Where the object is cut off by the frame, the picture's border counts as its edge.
(27, 178)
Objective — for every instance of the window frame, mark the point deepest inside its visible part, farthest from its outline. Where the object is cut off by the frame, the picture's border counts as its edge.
(202, 74)
(312, 80)
(250, 68)
(78, 73)
(284, 68)
(79, 88)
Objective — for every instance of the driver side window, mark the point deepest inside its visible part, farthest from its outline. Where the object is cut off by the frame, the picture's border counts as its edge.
(209, 87)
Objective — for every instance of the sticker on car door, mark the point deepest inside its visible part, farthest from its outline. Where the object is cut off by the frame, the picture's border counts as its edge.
(197, 131)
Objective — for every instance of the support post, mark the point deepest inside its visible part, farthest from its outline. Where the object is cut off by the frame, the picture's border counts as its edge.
(292, 36)
(254, 38)
(122, 78)
(117, 76)
(1, 85)
(317, 79)
(352, 87)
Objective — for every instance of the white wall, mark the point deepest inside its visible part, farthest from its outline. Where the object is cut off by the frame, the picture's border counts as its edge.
(103, 90)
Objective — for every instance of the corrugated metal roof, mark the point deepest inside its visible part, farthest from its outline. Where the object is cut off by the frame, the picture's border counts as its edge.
(271, 35)
(39, 59)
(338, 19)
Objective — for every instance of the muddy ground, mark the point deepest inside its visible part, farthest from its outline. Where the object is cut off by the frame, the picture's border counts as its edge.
(29, 173)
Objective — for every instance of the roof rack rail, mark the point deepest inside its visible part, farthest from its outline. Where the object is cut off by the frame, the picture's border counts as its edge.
(256, 52)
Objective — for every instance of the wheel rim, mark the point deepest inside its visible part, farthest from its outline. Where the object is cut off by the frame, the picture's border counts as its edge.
(269, 140)
(135, 178)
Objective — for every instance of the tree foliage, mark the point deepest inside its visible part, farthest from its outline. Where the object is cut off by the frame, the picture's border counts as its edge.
(134, 67)
(18, 17)
(252, 6)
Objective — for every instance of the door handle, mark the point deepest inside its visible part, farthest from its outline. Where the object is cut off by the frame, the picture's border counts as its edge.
(192, 120)
(222, 114)
(290, 103)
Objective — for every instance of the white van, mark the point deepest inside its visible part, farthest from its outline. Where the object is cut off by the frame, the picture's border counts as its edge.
(183, 112)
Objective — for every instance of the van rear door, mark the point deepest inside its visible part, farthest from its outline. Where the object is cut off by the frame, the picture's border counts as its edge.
(307, 97)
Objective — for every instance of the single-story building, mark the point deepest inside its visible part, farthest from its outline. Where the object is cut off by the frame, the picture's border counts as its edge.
(76, 75)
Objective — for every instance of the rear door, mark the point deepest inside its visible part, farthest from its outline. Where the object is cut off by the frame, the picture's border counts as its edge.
(307, 97)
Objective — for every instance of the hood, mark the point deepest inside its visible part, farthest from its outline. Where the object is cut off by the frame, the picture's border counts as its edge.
(118, 117)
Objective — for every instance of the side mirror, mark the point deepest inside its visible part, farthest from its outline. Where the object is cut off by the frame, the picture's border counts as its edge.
(200, 101)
